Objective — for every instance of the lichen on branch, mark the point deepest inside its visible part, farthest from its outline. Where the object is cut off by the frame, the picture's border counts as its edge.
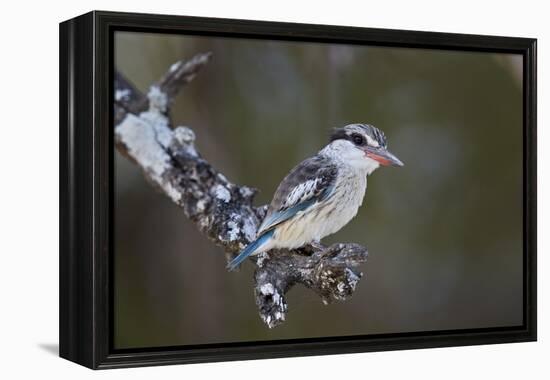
(220, 209)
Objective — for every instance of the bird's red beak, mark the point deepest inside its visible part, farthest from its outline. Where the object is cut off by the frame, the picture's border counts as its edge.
(383, 156)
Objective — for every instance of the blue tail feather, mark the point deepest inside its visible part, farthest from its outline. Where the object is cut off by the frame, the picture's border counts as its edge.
(249, 250)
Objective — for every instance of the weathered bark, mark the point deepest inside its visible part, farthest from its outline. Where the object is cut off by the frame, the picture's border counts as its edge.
(222, 210)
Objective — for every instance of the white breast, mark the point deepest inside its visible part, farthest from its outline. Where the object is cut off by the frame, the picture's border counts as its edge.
(327, 217)
(342, 207)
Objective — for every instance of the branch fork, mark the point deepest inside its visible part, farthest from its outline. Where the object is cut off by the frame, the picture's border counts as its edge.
(222, 210)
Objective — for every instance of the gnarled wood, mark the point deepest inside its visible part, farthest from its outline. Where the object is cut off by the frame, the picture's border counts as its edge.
(221, 209)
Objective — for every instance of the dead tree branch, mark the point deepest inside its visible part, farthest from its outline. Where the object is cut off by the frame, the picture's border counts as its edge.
(222, 210)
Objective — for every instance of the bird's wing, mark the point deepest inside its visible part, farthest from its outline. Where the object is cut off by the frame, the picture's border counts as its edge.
(307, 184)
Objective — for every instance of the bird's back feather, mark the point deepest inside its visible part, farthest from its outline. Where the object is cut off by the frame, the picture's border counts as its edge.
(309, 183)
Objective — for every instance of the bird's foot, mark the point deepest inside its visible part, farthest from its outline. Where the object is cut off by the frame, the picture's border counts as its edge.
(317, 245)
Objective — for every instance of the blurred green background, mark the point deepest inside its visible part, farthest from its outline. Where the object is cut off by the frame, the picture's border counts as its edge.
(444, 232)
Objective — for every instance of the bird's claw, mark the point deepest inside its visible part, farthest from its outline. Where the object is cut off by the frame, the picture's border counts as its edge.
(317, 246)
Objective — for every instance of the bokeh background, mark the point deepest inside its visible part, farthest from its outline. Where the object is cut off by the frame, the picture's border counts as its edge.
(444, 232)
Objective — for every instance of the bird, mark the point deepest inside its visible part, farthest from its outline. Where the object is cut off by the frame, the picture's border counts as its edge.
(323, 193)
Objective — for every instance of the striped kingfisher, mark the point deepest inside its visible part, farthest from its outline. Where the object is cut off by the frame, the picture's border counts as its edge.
(323, 193)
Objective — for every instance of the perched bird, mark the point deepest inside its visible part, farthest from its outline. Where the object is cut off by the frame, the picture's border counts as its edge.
(323, 193)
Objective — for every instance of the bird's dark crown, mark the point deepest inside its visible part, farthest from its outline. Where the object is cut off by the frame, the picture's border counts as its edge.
(347, 132)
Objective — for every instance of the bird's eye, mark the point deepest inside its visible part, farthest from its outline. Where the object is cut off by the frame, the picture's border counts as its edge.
(357, 139)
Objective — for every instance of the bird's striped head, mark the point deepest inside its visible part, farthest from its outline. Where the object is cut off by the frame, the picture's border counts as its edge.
(363, 145)
(360, 134)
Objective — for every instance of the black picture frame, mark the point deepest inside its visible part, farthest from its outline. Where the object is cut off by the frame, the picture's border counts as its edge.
(86, 188)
